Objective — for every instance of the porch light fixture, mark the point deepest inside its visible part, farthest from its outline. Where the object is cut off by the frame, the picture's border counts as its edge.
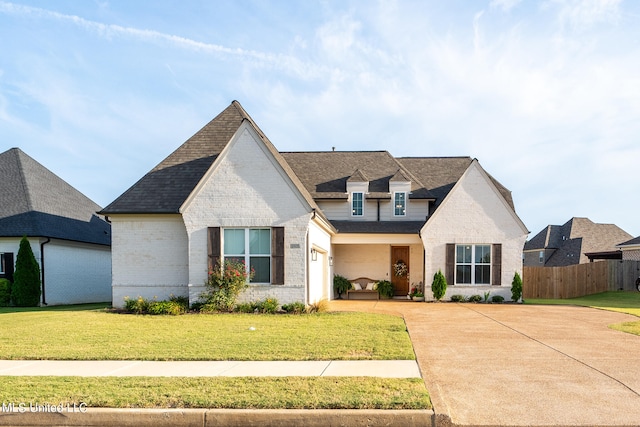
(314, 255)
(330, 260)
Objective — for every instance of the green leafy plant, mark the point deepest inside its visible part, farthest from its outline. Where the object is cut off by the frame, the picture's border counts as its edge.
(474, 298)
(439, 285)
(516, 287)
(137, 306)
(225, 283)
(458, 298)
(385, 289)
(341, 285)
(245, 307)
(486, 296)
(5, 292)
(267, 306)
(294, 308)
(25, 291)
(497, 299)
(174, 306)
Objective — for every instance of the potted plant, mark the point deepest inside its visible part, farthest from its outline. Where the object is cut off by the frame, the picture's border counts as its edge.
(418, 296)
(385, 289)
(341, 285)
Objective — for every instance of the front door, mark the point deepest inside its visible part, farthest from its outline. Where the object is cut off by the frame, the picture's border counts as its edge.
(400, 270)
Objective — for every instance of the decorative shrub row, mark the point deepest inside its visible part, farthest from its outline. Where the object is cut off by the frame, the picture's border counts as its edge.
(174, 306)
(497, 299)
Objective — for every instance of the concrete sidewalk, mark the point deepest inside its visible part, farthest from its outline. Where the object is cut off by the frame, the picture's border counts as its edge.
(137, 368)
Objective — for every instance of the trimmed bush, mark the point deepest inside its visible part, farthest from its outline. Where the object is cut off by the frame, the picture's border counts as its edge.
(474, 298)
(516, 287)
(385, 289)
(25, 291)
(458, 298)
(439, 285)
(497, 299)
(5, 292)
(294, 308)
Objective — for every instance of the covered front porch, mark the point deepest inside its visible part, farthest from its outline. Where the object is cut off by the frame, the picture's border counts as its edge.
(398, 258)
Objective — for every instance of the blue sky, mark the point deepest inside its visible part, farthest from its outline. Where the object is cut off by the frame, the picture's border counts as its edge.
(545, 94)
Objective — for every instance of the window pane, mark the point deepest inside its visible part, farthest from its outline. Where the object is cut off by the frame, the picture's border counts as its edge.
(483, 254)
(400, 204)
(260, 242)
(483, 274)
(262, 269)
(463, 274)
(234, 241)
(356, 204)
(463, 254)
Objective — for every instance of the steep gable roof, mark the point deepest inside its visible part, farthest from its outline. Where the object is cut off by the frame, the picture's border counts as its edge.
(36, 202)
(168, 186)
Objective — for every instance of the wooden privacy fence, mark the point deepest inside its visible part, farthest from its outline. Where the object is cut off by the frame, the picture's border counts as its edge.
(578, 280)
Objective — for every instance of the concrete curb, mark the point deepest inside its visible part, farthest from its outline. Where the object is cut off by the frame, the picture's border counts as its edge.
(220, 417)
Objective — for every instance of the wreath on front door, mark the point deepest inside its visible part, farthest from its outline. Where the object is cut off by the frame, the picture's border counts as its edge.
(400, 269)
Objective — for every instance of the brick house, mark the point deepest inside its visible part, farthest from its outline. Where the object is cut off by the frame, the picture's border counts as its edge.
(69, 240)
(298, 218)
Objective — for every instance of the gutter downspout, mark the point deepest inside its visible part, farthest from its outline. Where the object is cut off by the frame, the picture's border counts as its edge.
(44, 299)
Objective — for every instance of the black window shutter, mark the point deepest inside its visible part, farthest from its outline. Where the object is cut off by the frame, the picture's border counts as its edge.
(496, 265)
(450, 264)
(7, 263)
(277, 255)
(213, 247)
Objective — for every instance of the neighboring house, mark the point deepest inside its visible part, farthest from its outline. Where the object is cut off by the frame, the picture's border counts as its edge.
(299, 218)
(69, 240)
(573, 243)
(630, 249)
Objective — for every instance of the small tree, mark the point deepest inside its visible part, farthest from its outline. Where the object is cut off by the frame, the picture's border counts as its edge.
(25, 290)
(516, 287)
(224, 284)
(439, 285)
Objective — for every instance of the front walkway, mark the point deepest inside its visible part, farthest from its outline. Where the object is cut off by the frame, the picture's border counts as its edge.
(522, 365)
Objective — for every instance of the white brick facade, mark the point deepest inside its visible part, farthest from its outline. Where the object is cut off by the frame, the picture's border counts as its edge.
(474, 213)
(149, 257)
(247, 188)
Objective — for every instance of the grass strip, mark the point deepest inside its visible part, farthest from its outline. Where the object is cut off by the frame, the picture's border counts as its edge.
(219, 392)
(94, 334)
(620, 301)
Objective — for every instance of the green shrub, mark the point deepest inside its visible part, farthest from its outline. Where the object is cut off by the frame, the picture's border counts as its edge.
(267, 306)
(486, 296)
(137, 306)
(516, 287)
(497, 299)
(341, 285)
(439, 285)
(245, 307)
(5, 292)
(458, 298)
(294, 308)
(474, 298)
(224, 284)
(385, 289)
(25, 291)
(174, 306)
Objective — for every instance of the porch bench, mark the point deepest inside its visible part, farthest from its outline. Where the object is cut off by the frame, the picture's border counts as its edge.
(364, 292)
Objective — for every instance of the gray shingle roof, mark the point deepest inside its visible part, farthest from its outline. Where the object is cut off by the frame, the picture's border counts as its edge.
(384, 227)
(325, 173)
(632, 242)
(36, 202)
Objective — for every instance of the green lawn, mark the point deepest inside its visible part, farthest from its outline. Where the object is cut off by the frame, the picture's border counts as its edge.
(621, 301)
(90, 333)
(93, 334)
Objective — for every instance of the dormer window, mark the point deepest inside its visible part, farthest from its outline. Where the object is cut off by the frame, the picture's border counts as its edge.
(400, 204)
(357, 204)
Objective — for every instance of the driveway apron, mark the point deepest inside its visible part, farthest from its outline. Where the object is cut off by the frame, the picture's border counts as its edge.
(522, 365)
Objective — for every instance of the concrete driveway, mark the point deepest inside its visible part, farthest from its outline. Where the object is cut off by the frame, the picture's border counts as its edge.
(521, 365)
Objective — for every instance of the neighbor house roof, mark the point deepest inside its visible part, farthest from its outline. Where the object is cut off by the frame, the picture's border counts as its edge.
(633, 242)
(36, 202)
(572, 240)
